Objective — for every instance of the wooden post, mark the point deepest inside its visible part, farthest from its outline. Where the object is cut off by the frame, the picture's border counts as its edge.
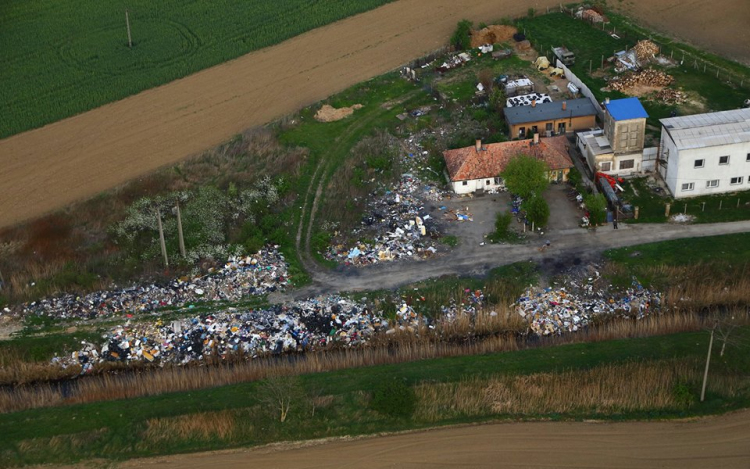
(666, 211)
(738, 206)
(685, 211)
(179, 229)
(161, 238)
(602, 62)
(717, 73)
(637, 212)
(703, 208)
(708, 361)
(2, 281)
(127, 23)
(720, 203)
(704, 67)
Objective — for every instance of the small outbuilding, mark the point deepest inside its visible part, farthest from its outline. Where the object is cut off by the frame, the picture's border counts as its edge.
(549, 119)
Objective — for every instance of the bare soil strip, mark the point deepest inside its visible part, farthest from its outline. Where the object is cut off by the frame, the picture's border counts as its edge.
(713, 442)
(48, 168)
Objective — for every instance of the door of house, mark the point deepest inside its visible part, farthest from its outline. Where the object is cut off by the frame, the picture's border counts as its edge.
(561, 128)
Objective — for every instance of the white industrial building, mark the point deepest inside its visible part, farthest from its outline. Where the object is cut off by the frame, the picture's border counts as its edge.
(706, 153)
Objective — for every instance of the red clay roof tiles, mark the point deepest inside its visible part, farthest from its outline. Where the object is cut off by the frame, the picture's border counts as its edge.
(465, 164)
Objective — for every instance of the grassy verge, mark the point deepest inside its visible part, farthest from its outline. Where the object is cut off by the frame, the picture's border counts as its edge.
(704, 209)
(338, 403)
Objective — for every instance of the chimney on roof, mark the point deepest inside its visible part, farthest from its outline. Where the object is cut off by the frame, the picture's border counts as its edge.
(565, 105)
(479, 145)
(533, 103)
(536, 138)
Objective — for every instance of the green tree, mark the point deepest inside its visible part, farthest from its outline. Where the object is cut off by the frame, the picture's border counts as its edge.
(462, 36)
(537, 210)
(502, 227)
(526, 176)
(597, 207)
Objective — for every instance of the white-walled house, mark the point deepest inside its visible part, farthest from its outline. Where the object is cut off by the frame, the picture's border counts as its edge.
(706, 153)
(478, 168)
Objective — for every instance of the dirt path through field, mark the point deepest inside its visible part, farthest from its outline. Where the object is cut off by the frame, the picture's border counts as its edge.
(48, 168)
(714, 442)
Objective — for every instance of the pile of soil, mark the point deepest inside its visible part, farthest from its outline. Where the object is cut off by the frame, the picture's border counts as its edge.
(328, 113)
(493, 34)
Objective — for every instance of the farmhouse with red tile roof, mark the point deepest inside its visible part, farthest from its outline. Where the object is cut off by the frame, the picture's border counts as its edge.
(478, 168)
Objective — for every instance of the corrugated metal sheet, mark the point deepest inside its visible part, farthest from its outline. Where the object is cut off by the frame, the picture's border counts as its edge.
(709, 130)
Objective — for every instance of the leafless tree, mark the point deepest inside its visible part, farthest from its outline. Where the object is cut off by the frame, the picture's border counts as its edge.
(280, 395)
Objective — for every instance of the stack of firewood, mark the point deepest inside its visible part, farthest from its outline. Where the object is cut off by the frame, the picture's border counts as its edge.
(645, 50)
(647, 77)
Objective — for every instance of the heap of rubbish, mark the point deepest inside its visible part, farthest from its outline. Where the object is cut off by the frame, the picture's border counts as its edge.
(304, 326)
(240, 277)
(553, 311)
(455, 61)
(402, 225)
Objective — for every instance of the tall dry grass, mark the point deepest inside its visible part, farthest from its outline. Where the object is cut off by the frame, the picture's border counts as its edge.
(402, 347)
(607, 389)
(204, 426)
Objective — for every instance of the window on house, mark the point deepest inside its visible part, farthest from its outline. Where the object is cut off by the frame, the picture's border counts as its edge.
(498, 181)
(748, 158)
(627, 164)
(688, 186)
(712, 183)
(737, 180)
(465, 183)
(624, 128)
(723, 160)
(699, 163)
(606, 166)
(487, 183)
(549, 127)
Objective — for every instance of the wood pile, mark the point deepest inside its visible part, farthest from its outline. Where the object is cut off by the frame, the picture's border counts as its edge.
(670, 96)
(645, 50)
(647, 77)
(593, 16)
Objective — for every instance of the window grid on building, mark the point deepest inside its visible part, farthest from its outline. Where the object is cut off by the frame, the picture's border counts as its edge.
(723, 160)
(736, 180)
(712, 183)
(688, 186)
(699, 163)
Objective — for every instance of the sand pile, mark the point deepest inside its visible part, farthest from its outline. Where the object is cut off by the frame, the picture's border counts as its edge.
(328, 113)
(492, 34)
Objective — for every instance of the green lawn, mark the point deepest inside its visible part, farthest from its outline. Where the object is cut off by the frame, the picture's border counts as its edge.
(64, 58)
(705, 209)
(725, 249)
(117, 430)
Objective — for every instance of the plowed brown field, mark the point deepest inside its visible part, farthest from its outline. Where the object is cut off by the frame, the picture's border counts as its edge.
(48, 168)
(714, 442)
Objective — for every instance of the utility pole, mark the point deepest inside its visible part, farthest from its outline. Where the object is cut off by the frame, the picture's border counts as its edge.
(127, 23)
(708, 361)
(179, 230)
(161, 239)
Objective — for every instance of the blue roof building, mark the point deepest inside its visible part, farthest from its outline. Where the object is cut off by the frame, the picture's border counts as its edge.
(625, 109)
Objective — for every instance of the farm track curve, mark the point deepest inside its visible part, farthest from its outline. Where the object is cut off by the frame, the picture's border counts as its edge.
(48, 168)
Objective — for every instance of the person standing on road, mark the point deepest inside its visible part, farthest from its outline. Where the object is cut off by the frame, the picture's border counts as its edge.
(614, 222)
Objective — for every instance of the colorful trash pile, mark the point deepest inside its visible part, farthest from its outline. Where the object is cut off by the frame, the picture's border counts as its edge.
(399, 224)
(239, 277)
(552, 311)
(307, 325)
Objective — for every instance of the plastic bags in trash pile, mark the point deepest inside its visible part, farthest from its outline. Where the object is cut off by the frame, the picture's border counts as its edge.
(400, 225)
(307, 325)
(239, 277)
(554, 311)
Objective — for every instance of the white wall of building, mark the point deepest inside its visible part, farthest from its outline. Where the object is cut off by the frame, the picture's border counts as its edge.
(685, 179)
(467, 187)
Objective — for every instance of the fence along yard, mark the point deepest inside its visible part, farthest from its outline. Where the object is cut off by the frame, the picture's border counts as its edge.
(63, 58)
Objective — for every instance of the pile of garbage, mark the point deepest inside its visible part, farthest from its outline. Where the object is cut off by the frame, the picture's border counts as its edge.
(239, 277)
(403, 226)
(553, 311)
(453, 62)
(306, 325)
(647, 77)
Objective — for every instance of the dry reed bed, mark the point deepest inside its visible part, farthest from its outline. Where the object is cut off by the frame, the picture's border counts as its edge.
(606, 389)
(404, 347)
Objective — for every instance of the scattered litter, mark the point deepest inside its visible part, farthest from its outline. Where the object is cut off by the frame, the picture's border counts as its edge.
(239, 277)
(682, 218)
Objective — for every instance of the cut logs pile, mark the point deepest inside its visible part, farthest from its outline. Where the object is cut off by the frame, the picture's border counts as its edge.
(645, 50)
(592, 15)
(647, 77)
(670, 96)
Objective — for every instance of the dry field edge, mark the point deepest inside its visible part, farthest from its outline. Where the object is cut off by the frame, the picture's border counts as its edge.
(46, 169)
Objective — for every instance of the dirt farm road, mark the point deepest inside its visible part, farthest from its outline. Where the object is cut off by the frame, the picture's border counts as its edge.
(720, 442)
(48, 168)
